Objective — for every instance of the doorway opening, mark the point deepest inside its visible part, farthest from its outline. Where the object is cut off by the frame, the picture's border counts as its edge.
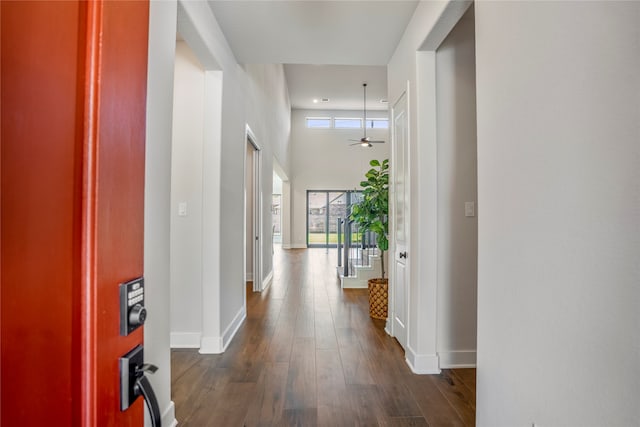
(276, 211)
(252, 212)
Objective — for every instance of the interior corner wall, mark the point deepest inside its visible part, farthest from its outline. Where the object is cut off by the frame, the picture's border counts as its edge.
(186, 193)
(413, 67)
(323, 159)
(268, 112)
(558, 96)
(254, 95)
(162, 44)
(457, 250)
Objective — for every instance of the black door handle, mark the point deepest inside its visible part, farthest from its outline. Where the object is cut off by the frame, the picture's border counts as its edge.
(143, 388)
(134, 383)
(403, 255)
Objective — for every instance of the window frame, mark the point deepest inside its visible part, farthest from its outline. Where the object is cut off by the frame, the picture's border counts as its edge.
(307, 119)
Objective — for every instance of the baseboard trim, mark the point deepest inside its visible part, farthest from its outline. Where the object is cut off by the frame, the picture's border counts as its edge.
(233, 327)
(211, 345)
(217, 345)
(169, 415)
(457, 359)
(267, 281)
(387, 327)
(184, 340)
(294, 246)
(422, 363)
(248, 277)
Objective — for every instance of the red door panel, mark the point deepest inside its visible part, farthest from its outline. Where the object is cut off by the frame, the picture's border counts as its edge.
(40, 210)
(120, 189)
(73, 95)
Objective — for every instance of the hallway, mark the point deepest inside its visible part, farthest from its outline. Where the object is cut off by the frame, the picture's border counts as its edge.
(308, 354)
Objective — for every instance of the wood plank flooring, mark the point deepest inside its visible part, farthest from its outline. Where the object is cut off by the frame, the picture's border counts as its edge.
(310, 355)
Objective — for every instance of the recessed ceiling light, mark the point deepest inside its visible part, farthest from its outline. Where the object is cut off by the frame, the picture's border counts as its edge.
(384, 101)
(324, 100)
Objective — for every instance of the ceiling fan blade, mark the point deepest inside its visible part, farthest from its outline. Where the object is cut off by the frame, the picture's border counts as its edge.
(357, 140)
(376, 142)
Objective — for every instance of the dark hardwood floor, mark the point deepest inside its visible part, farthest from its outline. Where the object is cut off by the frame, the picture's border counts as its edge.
(310, 355)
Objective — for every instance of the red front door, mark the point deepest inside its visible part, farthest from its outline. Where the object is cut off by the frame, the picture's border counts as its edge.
(73, 98)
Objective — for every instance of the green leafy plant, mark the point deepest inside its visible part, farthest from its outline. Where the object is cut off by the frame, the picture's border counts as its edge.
(372, 213)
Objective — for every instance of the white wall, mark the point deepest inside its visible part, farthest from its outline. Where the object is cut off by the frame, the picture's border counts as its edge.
(457, 184)
(412, 68)
(322, 159)
(269, 115)
(234, 97)
(186, 188)
(162, 36)
(559, 231)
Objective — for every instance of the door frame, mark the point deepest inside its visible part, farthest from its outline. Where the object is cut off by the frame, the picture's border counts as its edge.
(256, 214)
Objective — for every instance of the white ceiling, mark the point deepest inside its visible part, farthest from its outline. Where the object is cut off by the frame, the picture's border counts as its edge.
(341, 84)
(314, 36)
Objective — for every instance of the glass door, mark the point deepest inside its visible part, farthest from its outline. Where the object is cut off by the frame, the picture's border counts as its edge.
(324, 209)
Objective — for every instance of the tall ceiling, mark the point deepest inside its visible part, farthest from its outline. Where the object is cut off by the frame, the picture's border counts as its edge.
(340, 84)
(320, 41)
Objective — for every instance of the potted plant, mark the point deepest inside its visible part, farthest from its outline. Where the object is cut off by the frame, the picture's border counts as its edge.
(372, 213)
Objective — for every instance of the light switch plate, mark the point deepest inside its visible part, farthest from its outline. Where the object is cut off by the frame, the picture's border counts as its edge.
(182, 209)
(469, 209)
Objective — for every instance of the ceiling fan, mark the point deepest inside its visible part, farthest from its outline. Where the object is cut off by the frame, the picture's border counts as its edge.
(365, 141)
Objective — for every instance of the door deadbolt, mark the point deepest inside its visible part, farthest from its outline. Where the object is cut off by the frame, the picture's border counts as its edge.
(132, 311)
(137, 315)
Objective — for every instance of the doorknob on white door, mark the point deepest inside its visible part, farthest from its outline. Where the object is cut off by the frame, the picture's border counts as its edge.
(403, 255)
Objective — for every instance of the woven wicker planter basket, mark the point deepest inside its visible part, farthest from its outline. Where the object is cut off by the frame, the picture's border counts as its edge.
(378, 298)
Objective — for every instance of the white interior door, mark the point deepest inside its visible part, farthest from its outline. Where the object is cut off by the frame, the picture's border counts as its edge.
(400, 224)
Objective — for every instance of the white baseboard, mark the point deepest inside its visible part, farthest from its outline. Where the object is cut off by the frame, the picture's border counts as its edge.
(294, 246)
(217, 345)
(211, 345)
(457, 359)
(353, 283)
(233, 327)
(184, 340)
(248, 277)
(422, 363)
(267, 281)
(169, 416)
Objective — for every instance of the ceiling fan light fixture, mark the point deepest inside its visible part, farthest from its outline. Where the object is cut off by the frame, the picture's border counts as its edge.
(365, 141)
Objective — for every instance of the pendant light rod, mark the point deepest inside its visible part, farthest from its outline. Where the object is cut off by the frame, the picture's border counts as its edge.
(364, 114)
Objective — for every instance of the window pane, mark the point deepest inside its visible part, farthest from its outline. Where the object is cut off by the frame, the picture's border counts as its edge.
(348, 123)
(337, 209)
(378, 123)
(276, 214)
(316, 217)
(318, 122)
